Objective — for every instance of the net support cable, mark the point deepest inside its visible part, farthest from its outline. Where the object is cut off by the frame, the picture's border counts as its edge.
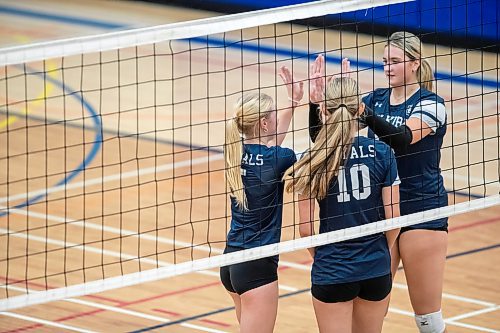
(152, 275)
(188, 29)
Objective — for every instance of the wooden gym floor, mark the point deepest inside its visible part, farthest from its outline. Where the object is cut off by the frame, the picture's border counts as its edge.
(144, 183)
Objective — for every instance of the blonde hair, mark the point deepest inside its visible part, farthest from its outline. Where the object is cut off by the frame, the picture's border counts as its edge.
(313, 173)
(249, 110)
(412, 46)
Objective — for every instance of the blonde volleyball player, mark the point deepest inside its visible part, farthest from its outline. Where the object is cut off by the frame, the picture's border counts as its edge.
(355, 181)
(255, 164)
(412, 119)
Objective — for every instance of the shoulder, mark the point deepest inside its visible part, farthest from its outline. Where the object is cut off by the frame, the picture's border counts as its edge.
(379, 92)
(428, 97)
(430, 108)
(283, 153)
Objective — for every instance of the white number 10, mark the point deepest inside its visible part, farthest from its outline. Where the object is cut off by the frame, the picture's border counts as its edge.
(356, 193)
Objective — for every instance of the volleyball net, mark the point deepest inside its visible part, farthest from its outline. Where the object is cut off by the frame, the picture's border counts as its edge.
(112, 145)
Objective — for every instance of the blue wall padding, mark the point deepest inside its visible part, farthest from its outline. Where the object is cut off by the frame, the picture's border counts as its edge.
(453, 18)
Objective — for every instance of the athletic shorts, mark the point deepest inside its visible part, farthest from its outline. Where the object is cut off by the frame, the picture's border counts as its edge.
(245, 276)
(436, 225)
(374, 289)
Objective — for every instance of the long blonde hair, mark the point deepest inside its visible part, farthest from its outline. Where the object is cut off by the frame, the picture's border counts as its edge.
(312, 174)
(412, 46)
(249, 110)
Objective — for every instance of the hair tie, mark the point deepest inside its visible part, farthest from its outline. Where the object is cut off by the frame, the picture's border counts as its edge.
(341, 105)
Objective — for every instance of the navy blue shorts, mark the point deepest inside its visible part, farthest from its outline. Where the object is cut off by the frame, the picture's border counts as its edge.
(375, 289)
(245, 276)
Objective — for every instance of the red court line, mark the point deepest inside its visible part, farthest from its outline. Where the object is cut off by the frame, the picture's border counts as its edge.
(474, 224)
(181, 291)
(214, 322)
(80, 314)
(170, 313)
(170, 293)
(25, 328)
(208, 321)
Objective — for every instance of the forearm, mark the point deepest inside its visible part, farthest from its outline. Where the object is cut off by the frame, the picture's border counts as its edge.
(314, 121)
(399, 138)
(391, 236)
(284, 119)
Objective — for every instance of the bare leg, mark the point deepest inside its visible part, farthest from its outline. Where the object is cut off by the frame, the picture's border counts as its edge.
(259, 308)
(424, 254)
(333, 317)
(368, 316)
(237, 304)
(395, 260)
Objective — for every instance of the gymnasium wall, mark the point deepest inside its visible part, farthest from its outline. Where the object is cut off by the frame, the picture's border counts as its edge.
(465, 23)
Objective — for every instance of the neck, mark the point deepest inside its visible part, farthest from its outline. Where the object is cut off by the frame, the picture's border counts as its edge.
(400, 94)
(258, 141)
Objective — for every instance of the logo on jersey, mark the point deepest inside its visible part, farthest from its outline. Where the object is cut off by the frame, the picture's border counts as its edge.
(409, 108)
(378, 104)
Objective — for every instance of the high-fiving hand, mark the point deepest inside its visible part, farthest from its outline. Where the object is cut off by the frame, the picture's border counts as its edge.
(294, 88)
(317, 78)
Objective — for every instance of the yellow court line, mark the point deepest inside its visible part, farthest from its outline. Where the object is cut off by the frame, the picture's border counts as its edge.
(48, 87)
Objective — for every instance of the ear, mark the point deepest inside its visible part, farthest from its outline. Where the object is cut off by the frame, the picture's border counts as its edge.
(263, 124)
(361, 109)
(416, 65)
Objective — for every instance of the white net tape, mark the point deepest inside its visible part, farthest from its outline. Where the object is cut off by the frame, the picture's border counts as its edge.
(245, 255)
(195, 28)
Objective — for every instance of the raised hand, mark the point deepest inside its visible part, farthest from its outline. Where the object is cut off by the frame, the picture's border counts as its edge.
(317, 80)
(346, 68)
(295, 89)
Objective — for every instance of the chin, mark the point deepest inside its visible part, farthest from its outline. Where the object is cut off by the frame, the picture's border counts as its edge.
(393, 82)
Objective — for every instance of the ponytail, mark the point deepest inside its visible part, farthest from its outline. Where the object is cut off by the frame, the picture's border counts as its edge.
(313, 173)
(249, 109)
(425, 75)
(232, 156)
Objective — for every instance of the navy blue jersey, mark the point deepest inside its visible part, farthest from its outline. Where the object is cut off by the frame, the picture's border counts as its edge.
(355, 198)
(262, 170)
(422, 185)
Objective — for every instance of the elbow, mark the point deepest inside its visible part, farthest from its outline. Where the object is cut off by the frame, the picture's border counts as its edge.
(402, 140)
(305, 229)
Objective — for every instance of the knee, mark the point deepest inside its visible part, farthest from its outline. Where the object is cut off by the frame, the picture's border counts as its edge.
(430, 323)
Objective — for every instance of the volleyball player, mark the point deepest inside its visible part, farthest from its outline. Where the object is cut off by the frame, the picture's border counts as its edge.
(355, 181)
(255, 164)
(412, 119)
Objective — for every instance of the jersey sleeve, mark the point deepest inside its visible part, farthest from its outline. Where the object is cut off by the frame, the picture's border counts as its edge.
(368, 100)
(286, 157)
(431, 112)
(392, 177)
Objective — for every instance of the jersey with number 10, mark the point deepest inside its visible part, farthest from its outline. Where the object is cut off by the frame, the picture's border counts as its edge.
(355, 198)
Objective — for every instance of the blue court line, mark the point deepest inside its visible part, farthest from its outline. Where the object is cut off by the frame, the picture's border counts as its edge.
(59, 18)
(459, 78)
(301, 291)
(288, 54)
(97, 128)
(292, 54)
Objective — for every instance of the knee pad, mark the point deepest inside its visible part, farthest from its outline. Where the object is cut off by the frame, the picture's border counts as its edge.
(430, 323)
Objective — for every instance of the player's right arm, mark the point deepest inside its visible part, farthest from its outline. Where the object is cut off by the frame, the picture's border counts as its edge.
(390, 199)
(306, 217)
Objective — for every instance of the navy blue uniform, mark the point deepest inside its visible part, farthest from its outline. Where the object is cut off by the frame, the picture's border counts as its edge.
(262, 170)
(422, 185)
(355, 198)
